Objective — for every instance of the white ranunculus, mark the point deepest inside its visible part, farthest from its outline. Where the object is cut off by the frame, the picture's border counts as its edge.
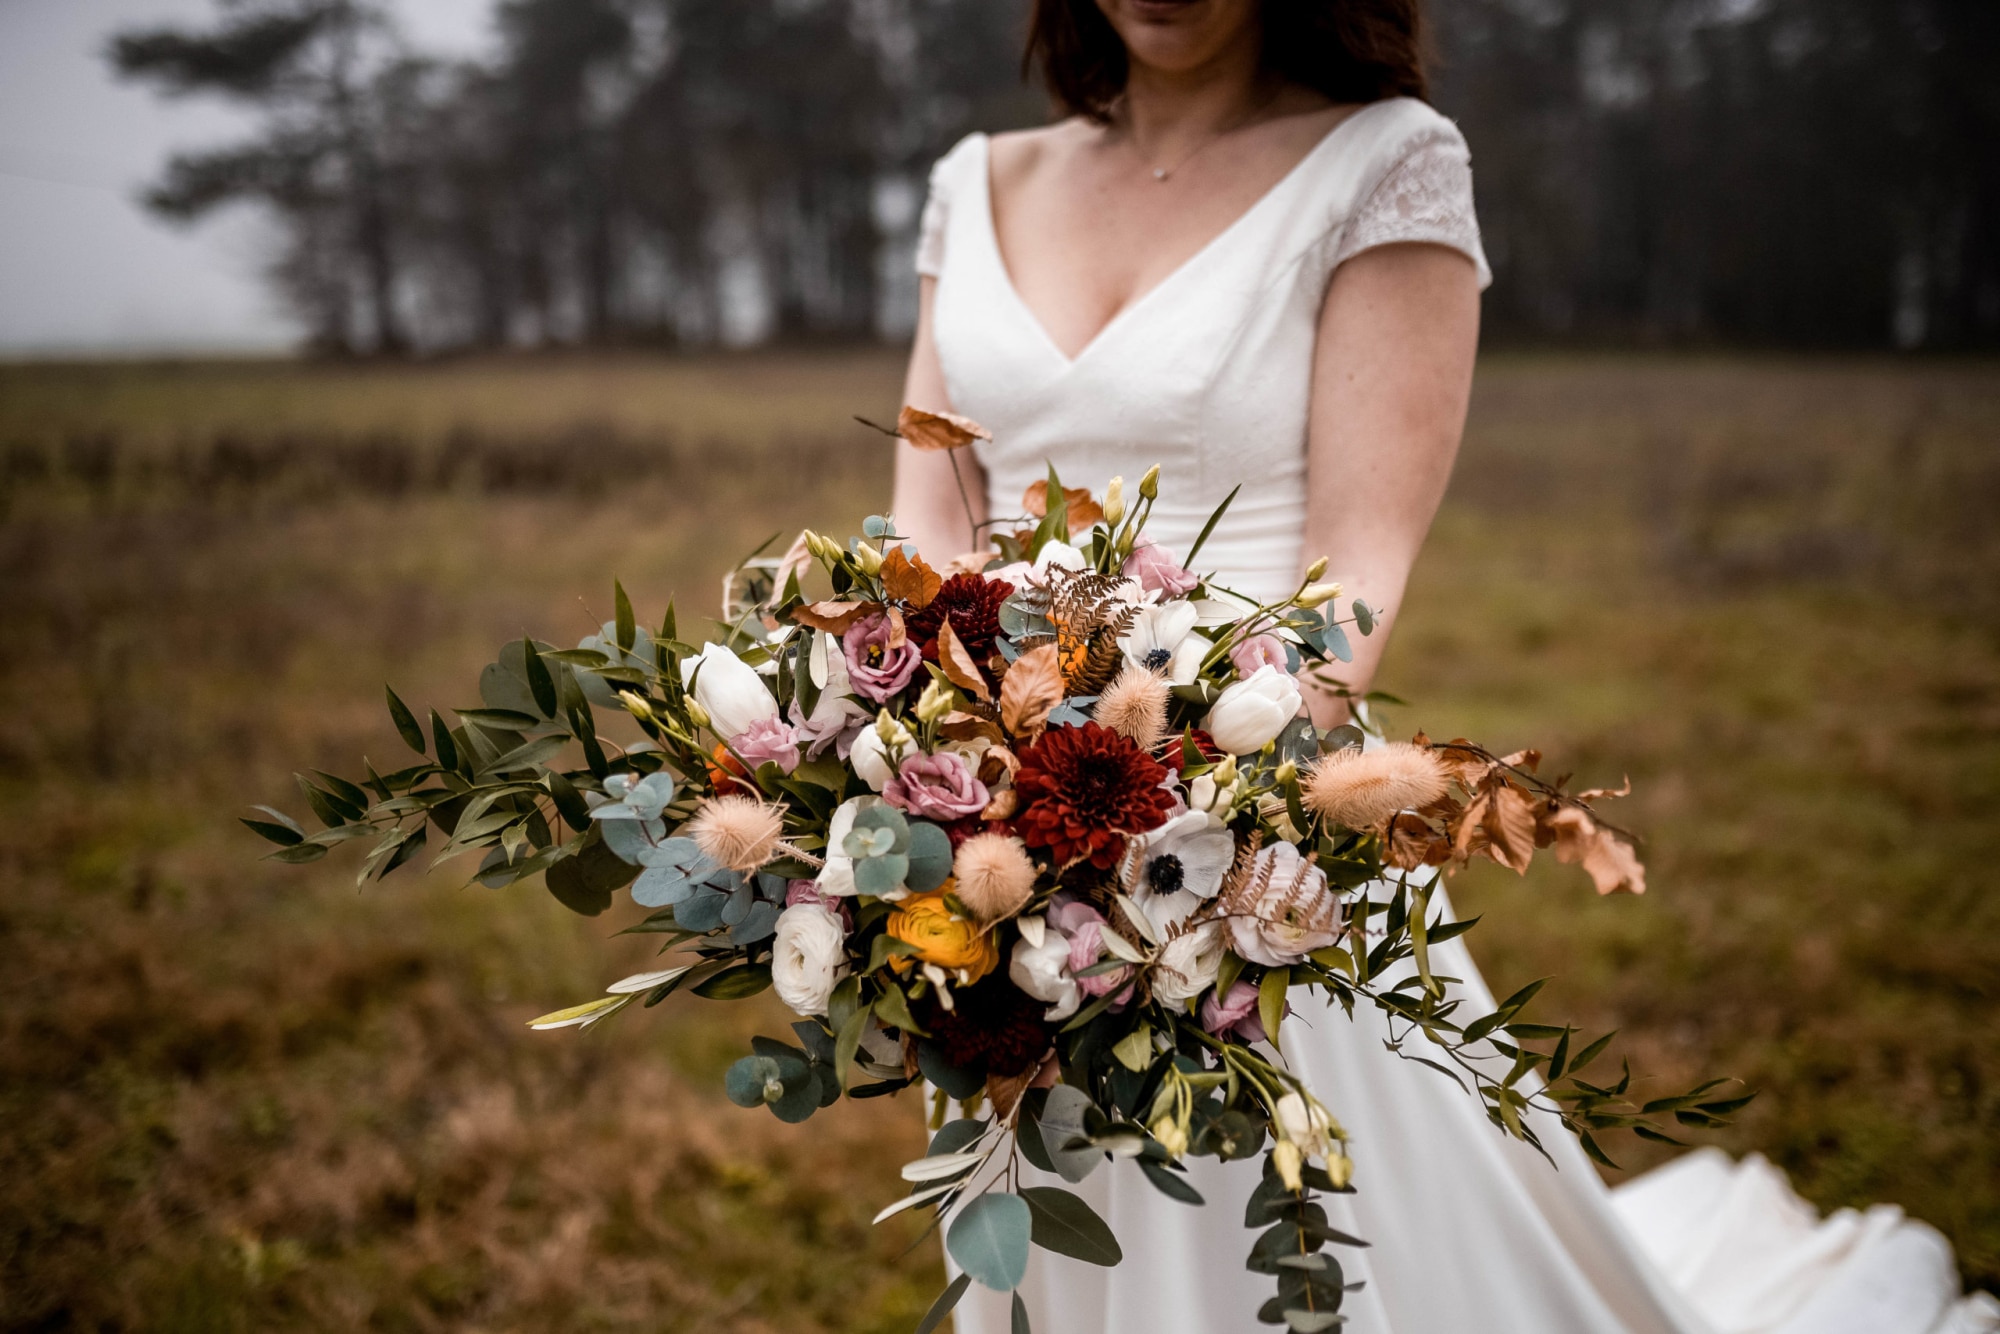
(728, 689)
(1043, 972)
(1285, 911)
(1188, 963)
(1172, 869)
(1250, 714)
(837, 876)
(1162, 639)
(808, 957)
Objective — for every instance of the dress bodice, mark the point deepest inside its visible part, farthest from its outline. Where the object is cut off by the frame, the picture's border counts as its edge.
(1208, 373)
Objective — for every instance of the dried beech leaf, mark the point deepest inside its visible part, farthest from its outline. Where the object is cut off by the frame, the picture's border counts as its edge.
(1032, 686)
(796, 560)
(1510, 827)
(1083, 510)
(1003, 805)
(1465, 767)
(1523, 759)
(899, 635)
(938, 430)
(1606, 858)
(1605, 793)
(1468, 833)
(909, 580)
(959, 668)
(1413, 843)
(1004, 1093)
(961, 726)
(836, 618)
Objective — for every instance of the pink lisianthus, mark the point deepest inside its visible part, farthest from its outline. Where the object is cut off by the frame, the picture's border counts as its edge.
(1157, 571)
(808, 891)
(1237, 1013)
(878, 671)
(768, 741)
(1084, 926)
(1260, 651)
(937, 787)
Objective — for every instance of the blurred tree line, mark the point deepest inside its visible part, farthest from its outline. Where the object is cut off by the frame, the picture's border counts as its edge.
(1806, 172)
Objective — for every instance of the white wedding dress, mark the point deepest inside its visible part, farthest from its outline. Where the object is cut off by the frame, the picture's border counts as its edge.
(1208, 375)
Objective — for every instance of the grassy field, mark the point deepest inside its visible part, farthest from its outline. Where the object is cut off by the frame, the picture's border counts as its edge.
(243, 1096)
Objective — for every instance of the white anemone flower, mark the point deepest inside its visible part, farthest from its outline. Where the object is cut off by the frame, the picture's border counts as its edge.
(1171, 870)
(1162, 640)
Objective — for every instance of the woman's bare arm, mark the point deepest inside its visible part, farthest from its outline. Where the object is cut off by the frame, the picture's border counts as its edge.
(1391, 376)
(927, 504)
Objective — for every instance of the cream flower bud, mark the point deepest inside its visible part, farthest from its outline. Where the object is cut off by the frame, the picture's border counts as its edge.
(1312, 595)
(1341, 1168)
(1315, 570)
(1172, 1135)
(1285, 1156)
(934, 703)
(869, 558)
(1114, 502)
(1149, 485)
(1288, 773)
(1225, 772)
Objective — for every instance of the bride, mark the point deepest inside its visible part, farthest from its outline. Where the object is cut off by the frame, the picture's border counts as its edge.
(1249, 254)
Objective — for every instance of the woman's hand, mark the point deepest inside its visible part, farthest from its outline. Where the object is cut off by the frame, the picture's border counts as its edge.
(1391, 375)
(927, 504)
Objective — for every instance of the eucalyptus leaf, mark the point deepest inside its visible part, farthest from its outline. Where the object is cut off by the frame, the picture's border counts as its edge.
(990, 1238)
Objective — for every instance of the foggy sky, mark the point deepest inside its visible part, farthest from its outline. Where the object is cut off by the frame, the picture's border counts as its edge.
(83, 266)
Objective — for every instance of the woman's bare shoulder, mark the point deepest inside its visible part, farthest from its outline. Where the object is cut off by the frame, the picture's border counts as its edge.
(1018, 154)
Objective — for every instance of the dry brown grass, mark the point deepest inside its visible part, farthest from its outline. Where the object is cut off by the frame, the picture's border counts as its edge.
(243, 1096)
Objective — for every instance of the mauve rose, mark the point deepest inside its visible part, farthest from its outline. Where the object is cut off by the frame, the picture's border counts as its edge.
(769, 741)
(1156, 569)
(876, 670)
(1084, 926)
(937, 787)
(1237, 1014)
(808, 891)
(1260, 651)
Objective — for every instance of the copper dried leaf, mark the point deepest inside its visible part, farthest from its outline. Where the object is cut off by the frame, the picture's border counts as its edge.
(959, 667)
(1606, 793)
(899, 634)
(1412, 843)
(836, 618)
(796, 560)
(1510, 827)
(1468, 832)
(1463, 765)
(1003, 1093)
(1003, 805)
(1609, 861)
(961, 726)
(908, 579)
(938, 430)
(1083, 510)
(1032, 686)
(1523, 759)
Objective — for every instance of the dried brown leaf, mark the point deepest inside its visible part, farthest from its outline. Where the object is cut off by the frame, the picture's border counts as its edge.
(1414, 842)
(1465, 766)
(959, 667)
(938, 430)
(1606, 793)
(899, 634)
(1032, 686)
(1003, 805)
(961, 726)
(1003, 1093)
(908, 579)
(1523, 759)
(836, 618)
(1609, 861)
(796, 560)
(1510, 827)
(1084, 511)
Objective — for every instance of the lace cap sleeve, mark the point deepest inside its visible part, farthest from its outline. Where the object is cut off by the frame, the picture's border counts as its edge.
(1426, 197)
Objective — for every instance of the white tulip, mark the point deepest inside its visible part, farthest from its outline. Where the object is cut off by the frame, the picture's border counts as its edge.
(1043, 972)
(837, 876)
(1250, 714)
(728, 689)
(875, 756)
(1188, 964)
(808, 957)
(1060, 554)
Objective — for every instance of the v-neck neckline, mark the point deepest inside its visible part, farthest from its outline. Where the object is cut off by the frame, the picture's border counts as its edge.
(1121, 315)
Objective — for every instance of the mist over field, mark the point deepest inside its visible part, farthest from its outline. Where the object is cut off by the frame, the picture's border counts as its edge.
(241, 1095)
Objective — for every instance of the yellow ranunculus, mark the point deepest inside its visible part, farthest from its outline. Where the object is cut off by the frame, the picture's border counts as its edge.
(943, 938)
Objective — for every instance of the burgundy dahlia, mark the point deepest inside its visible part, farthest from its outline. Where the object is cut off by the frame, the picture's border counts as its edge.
(992, 1028)
(1083, 789)
(973, 603)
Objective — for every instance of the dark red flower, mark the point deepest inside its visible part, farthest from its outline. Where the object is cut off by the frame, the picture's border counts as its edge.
(992, 1028)
(1170, 752)
(973, 603)
(1082, 790)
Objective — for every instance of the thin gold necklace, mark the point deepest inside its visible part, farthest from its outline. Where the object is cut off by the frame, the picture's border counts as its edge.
(1166, 173)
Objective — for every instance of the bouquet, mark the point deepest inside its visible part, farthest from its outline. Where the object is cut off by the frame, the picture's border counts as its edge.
(1044, 831)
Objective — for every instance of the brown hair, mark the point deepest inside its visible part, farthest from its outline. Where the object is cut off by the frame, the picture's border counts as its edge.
(1347, 50)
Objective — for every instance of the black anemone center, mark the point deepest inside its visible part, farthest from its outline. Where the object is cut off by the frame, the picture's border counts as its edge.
(1166, 874)
(1158, 659)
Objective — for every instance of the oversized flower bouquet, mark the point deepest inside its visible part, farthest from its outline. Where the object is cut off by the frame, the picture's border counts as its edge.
(1046, 831)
